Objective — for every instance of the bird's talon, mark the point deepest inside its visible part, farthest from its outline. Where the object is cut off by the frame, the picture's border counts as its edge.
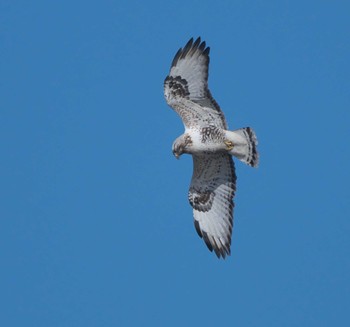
(229, 145)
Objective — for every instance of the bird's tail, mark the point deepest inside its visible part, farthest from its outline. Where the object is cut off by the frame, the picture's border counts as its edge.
(244, 145)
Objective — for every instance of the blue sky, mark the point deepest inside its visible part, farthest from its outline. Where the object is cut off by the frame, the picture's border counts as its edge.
(95, 225)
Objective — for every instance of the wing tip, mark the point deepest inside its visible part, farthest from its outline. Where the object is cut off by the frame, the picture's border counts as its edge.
(221, 249)
(190, 48)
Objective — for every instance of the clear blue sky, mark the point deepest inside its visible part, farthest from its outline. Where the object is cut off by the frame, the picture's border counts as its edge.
(95, 225)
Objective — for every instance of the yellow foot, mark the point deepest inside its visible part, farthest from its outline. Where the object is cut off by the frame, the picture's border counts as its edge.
(229, 145)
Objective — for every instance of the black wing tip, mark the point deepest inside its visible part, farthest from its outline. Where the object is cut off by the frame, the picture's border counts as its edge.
(220, 251)
(223, 251)
(190, 48)
(198, 229)
(176, 57)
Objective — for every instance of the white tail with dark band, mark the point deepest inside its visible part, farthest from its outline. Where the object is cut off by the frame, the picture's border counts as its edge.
(244, 145)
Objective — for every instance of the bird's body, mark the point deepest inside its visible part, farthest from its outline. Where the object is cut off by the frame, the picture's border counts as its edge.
(207, 139)
(210, 143)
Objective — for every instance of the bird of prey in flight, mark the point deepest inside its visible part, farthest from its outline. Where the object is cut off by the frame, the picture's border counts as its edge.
(210, 143)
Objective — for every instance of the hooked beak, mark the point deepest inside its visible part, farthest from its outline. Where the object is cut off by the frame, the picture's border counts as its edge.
(176, 155)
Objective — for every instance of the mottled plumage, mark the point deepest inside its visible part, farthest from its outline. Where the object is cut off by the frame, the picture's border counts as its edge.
(209, 142)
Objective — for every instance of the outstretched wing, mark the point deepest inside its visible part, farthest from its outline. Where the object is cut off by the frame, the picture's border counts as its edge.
(186, 87)
(211, 195)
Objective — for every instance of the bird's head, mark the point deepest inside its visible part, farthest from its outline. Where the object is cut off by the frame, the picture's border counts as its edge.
(178, 149)
(181, 145)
